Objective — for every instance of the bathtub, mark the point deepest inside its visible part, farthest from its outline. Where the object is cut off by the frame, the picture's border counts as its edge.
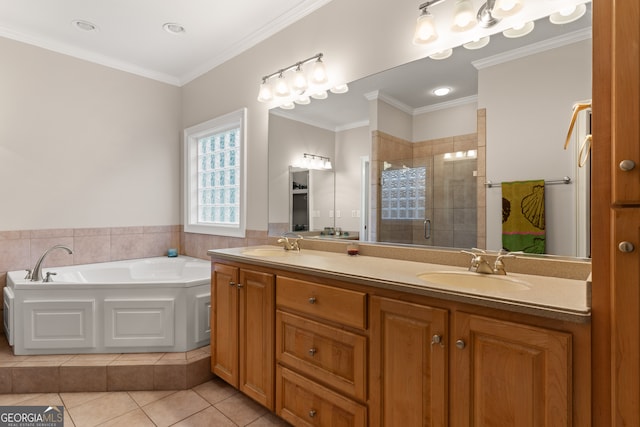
(144, 305)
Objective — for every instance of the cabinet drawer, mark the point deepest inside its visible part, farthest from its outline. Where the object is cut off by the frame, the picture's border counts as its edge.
(330, 355)
(327, 302)
(302, 402)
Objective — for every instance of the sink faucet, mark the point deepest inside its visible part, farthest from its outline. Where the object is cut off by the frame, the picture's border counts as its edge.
(498, 266)
(36, 276)
(290, 245)
(478, 263)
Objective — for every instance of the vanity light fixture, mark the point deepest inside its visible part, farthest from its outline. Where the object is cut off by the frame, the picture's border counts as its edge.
(425, 25)
(569, 14)
(291, 85)
(464, 17)
(313, 161)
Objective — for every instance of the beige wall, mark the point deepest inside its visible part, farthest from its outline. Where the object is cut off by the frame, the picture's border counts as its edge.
(83, 145)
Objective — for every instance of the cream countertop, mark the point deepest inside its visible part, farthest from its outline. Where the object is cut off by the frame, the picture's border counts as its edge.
(559, 298)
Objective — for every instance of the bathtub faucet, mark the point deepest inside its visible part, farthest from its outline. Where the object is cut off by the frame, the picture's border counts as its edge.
(36, 276)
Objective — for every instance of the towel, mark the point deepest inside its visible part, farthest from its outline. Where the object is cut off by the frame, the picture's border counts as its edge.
(523, 227)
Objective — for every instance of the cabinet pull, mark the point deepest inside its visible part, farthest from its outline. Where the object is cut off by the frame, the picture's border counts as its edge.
(312, 352)
(437, 339)
(626, 247)
(627, 165)
(461, 344)
(312, 300)
(312, 413)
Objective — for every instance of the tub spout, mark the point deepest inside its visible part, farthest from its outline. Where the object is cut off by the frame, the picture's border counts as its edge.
(36, 276)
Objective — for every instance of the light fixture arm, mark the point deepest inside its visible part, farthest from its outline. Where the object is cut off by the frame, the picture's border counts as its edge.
(317, 57)
(427, 4)
(486, 19)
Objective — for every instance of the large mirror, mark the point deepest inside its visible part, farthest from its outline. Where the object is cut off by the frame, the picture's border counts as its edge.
(410, 167)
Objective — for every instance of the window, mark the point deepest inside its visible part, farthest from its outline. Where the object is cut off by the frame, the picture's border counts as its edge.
(403, 193)
(214, 176)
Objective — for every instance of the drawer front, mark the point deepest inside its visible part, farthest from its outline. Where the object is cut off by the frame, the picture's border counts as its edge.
(303, 402)
(329, 355)
(327, 302)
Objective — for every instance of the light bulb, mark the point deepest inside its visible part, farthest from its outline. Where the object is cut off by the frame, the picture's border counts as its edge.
(425, 29)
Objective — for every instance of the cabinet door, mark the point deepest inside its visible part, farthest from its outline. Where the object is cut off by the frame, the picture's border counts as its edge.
(224, 323)
(257, 335)
(508, 374)
(408, 366)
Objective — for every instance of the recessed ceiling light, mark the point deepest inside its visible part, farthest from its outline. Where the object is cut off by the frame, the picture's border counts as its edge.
(173, 28)
(442, 91)
(84, 25)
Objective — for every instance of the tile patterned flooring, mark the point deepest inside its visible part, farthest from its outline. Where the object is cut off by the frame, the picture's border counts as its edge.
(146, 403)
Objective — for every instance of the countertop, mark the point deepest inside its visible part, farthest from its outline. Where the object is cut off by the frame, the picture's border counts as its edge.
(552, 297)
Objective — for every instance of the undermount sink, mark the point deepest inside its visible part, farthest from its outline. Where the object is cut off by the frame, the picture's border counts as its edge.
(475, 281)
(265, 252)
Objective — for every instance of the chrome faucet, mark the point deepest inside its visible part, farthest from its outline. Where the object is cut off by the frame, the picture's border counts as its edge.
(478, 263)
(290, 245)
(36, 276)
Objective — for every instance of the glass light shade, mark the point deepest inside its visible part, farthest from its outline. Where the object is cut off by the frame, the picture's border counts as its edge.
(299, 81)
(266, 92)
(443, 54)
(477, 44)
(288, 106)
(327, 164)
(567, 15)
(282, 88)
(519, 30)
(464, 17)
(425, 29)
(302, 100)
(319, 73)
(322, 94)
(503, 8)
(341, 88)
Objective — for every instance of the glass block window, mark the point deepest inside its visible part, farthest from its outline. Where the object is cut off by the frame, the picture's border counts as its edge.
(403, 193)
(214, 176)
(218, 183)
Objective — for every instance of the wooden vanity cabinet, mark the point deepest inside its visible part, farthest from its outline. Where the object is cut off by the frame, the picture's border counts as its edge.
(321, 351)
(242, 330)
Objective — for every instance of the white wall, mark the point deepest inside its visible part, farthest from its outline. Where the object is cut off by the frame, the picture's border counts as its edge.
(528, 110)
(445, 122)
(82, 145)
(351, 146)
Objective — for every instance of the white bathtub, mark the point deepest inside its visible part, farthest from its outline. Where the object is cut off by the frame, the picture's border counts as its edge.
(145, 305)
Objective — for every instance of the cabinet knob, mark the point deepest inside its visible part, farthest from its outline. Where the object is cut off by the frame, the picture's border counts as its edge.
(437, 339)
(312, 300)
(461, 344)
(312, 413)
(240, 285)
(312, 351)
(232, 283)
(627, 165)
(626, 247)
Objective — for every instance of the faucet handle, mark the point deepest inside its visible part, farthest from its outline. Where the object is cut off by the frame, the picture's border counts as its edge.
(28, 275)
(49, 278)
(498, 265)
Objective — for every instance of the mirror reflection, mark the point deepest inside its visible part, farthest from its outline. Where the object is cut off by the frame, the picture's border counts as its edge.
(414, 168)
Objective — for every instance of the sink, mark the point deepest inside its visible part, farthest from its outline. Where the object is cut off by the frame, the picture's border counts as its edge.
(475, 281)
(265, 252)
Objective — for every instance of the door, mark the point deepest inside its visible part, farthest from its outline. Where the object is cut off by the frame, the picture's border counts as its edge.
(509, 374)
(408, 359)
(224, 324)
(257, 335)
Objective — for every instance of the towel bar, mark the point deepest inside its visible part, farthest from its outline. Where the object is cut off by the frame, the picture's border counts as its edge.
(564, 180)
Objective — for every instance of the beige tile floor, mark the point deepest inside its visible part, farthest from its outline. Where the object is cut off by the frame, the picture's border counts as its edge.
(213, 403)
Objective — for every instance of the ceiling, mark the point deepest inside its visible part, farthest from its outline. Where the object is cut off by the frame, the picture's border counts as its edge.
(410, 87)
(130, 34)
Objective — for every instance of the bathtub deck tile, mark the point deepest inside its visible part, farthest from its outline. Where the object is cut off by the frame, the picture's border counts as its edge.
(170, 377)
(83, 378)
(5, 379)
(32, 379)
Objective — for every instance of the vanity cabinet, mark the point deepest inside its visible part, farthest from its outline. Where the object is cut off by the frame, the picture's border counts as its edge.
(408, 364)
(242, 330)
(321, 350)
